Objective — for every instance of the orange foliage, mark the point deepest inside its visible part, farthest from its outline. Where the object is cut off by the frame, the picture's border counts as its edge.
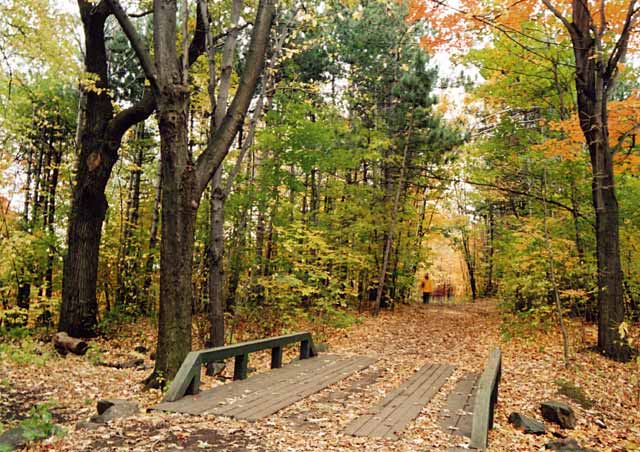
(624, 122)
(459, 24)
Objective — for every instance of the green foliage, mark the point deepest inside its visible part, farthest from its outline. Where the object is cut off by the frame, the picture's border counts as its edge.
(24, 351)
(39, 423)
(94, 354)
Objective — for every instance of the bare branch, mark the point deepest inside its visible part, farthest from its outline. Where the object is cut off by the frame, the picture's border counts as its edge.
(136, 42)
(620, 50)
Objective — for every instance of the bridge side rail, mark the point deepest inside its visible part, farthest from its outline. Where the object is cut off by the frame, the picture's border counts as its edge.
(187, 380)
(486, 398)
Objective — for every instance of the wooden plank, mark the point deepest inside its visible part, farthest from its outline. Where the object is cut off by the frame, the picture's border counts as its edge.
(485, 400)
(240, 367)
(227, 393)
(402, 405)
(456, 417)
(269, 392)
(393, 401)
(275, 391)
(187, 380)
(276, 357)
(413, 406)
(418, 378)
(303, 391)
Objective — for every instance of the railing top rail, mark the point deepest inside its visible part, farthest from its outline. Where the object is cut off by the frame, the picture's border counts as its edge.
(482, 411)
(241, 348)
(188, 377)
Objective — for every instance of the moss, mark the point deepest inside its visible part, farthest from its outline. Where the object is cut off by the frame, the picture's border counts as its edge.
(575, 393)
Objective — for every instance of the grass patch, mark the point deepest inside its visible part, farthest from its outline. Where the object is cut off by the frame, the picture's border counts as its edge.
(575, 393)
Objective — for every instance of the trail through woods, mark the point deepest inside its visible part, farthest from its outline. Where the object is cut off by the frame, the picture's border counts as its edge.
(403, 340)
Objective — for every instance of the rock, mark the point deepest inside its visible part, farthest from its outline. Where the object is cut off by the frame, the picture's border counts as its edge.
(12, 439)
(600, 423)
(562, 444)
(559, 413)
(109, 410)
(87, 425)
(526, 424)
(566, 445)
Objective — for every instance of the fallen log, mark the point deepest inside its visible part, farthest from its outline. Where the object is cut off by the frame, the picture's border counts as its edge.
(64, 344)
(135, 362)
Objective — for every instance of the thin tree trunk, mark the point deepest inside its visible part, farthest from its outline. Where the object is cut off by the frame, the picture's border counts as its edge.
(552, 274)
(148, 304)
(392, 226)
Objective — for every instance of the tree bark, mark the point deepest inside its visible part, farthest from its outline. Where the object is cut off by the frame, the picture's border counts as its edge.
(100, 133)
(594, 79)
(183, 180)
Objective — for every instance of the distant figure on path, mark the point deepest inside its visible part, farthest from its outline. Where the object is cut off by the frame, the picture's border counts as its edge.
(427, 287)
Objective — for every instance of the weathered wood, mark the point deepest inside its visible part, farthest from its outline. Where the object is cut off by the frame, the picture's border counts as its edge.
(276, 357)
(402, 405)
(486, 398)
(64, 344)
(269, 392)
(188, 376)
(240, 367)
(457, 416)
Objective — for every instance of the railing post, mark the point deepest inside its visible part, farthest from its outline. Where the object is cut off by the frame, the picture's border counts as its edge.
(305, 349)
(240, 367)
(276, 357)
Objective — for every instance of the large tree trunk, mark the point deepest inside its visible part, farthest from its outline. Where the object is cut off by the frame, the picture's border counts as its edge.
(179, 205)
(183, 180)
(100, 135)
(79, 309)
(594, 79)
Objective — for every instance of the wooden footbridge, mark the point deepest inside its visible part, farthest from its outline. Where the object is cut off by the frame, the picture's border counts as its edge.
(468, 411)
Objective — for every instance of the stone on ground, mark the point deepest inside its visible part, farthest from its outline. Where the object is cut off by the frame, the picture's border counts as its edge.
(12, 439)
(558, 413)
(109, 410)
(527, 424)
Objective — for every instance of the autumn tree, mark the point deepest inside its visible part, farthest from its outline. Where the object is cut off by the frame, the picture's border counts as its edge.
(185, 176)
(600, 36)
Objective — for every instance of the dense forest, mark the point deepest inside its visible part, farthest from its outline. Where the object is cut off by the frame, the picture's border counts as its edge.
(194, 174)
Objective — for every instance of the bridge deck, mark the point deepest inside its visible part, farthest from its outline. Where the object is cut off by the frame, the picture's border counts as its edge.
(403, 405)
(266, 393)
(457, 417)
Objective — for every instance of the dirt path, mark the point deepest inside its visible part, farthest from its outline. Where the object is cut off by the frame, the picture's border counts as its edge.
(403, 340)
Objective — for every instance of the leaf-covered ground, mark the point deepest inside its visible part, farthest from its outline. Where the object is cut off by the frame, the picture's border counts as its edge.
(403, 340)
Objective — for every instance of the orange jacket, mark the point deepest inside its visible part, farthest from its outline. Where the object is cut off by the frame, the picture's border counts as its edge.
(426, 286)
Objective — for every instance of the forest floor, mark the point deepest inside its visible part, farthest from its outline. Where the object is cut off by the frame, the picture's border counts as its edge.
(403, 339)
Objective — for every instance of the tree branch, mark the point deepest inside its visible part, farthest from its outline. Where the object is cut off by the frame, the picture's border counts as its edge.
(620, 49)
(136, 42)
(218, 147)
(128, 117)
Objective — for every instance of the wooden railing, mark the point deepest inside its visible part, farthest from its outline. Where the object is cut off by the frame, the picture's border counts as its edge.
(486, 398)
(187, 380)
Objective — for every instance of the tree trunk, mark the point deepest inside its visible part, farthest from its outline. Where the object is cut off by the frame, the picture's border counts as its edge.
(594, 79)
(216, 268)
(51, 214)
(179, 206)
(148, 303)
(491, 225)
(100, 134)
